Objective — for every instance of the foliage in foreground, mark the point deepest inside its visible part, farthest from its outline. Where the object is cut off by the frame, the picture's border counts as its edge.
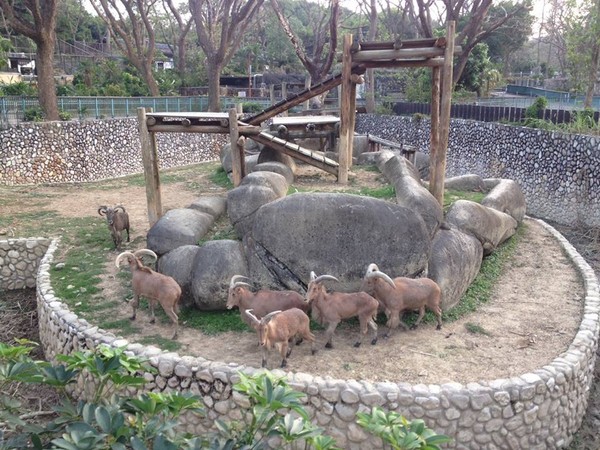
(111, 420)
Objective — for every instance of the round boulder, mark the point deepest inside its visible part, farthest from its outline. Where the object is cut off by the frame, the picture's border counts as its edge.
(276, 167)
(267, 154)
(337, 234)
(243, 203)
(178, 264)
(178, 227)
(210, 204)
(268, 179)
(507, 196)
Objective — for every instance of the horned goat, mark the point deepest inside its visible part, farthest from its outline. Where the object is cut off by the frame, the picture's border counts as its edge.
(278, 328)
(155, 286)
(403, 294)
(118, 220)
(261, 302)
(331, 308)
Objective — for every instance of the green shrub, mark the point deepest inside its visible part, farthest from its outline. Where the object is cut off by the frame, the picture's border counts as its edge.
(252, 107)
(65, 115)
(33, 114)
(536, 109)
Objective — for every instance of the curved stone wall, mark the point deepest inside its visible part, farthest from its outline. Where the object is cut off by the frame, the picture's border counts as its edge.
(559, 173)
(19, 261)
(536, 410)
(66, 152)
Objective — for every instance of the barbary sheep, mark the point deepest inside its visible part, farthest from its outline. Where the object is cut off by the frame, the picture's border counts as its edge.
(261, 302)
(331, 308)
(403, 294)
(155, 286)
(278, 328)
(117, 220)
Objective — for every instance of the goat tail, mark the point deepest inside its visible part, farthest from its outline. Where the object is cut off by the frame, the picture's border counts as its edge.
(372, 324)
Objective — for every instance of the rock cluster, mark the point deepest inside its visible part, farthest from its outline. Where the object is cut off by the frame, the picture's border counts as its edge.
(19, 260)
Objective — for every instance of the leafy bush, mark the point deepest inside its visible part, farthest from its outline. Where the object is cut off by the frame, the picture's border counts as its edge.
(65, 115)
(536, 109)
(33, 114)
(19, 88)
(252, 107)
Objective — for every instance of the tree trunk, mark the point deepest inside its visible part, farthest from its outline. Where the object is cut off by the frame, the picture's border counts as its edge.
(148, 76)
(214, 96)
(593, 75)
(45, 78)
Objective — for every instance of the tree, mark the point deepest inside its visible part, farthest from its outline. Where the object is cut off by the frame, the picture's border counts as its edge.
(132, 32)
(179, 29)
(37, 21)
(220, 27)
(474, 23)
(316, 50)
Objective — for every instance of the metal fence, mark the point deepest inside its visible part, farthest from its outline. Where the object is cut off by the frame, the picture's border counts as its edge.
(16, 109)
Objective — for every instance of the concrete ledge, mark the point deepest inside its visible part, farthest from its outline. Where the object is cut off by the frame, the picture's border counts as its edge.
(536, 410)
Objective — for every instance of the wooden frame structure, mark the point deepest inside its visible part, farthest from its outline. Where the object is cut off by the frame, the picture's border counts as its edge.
(357, 57)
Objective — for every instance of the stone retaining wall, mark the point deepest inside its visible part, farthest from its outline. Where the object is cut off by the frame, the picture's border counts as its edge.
(536, 410)
(66, 152)
(559, 173)
(19, 261)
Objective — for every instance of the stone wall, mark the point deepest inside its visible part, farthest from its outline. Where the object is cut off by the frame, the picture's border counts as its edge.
(19, 261)
(536, 410)
(559, 173)
(66, 152)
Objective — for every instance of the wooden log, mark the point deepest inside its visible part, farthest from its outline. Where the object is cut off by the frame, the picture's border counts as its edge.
(402, 53)
(237, 157)
(177, 127)
(431, 62)
(434, 141)
(150, 163)
(345, 146)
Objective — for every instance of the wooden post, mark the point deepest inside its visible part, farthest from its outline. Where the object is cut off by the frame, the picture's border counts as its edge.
(272, 94)
(283, 96)
(307, 83)
(346, 133)
(435, 125)
(150, 162)
(237, 156)
(439, 162)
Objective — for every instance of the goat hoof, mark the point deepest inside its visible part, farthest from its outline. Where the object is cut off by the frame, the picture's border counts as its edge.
(374, 341)
(357, 344)
(264, 364)
(313, 352)
(413, 327)
(152, 321)
(329, 345)
(299, 341)
(132, 318)
(283, 363)
(439, 327)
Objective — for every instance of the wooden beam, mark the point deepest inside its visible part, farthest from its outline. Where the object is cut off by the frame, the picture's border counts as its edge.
(431, 62)
(177, 127)
(346, 133)
(237, 157)
(439, 162)
(409, 43)
(434, 141)
(150, 162)
(402, 53)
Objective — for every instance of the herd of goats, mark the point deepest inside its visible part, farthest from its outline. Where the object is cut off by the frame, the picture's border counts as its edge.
(281, 317)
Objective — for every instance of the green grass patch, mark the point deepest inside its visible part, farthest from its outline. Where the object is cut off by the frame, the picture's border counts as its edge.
(160, 342)
(221, 229)
(213, 322)
(450, 196)
(122, 327)
(220, 178)
(473, 328)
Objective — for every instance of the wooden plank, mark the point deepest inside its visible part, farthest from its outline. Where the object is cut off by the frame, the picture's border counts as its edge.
(237, 157)
(426, 62)
(346, 133)
(434, 139)
(177, 128)
(403, 54)
(150, 163)
(304, 120)
(190, 115)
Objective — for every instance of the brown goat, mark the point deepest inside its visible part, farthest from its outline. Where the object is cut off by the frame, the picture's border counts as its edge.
(261, 302)
(155, 286)
(278, 328)
(117, 220)
(403, 294)
(332, 308)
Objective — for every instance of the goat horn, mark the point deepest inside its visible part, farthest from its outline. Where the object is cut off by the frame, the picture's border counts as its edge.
(101, 210)
(379, 274)
(321, 278)
(121, 256)
(119, 207)
(233, 283)
(252, 316)
(144, 252)
(313, 276)
(269, 316)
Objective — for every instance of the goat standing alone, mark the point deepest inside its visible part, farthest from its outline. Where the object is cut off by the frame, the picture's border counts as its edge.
(261, 302)
(403, 294)
(332, 308)
(279, 327)
(155, 286)
(117, 220)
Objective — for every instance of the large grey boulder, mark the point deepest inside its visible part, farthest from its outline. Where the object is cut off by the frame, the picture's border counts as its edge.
(211, 204)
(489, 226)
(268, 179)
(268, 154)
(225, 157)
(470, 182)
(338, 234)
(454, 263)
(422, 164)
(411, 193)
(178, 264)
(277, 167)
(507, 196)
(244, 201)
(178, 227)
(214, 265)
